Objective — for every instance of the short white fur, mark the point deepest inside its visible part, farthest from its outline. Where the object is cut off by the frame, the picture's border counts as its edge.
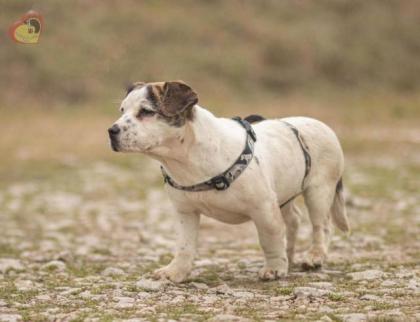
(207, 145)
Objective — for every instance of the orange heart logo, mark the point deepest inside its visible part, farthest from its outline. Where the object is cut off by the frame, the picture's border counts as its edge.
(27, 29)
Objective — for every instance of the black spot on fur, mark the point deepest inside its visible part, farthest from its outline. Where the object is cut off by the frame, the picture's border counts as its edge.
(253, 118)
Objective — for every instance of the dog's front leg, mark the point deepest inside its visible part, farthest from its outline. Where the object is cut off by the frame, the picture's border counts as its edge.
(181, 265)
(271, 234)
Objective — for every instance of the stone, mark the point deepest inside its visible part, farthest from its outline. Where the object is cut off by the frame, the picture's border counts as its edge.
(124, 302)
(203, 262)
(24, 285)
(414, 284)
(55, 266)
(43, 297)
(222, 289)
(354, 317)
(301, 292)
(113, 271)
(200, 286)
(2, 303)
(243, 295)
(10, 317)
(370, 297)
(389, 283)
(10, 264)
(325, 318)
(150, 285)
(321, 285)
(228, 317)
(366, 275)
(86, 295)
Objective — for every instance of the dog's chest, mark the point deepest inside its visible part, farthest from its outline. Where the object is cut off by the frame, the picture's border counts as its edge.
(219, 205)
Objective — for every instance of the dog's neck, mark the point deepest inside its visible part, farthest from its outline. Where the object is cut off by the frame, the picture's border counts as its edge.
(207, 147)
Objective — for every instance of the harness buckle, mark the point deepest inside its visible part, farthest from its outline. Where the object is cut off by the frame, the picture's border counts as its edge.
(220, 183)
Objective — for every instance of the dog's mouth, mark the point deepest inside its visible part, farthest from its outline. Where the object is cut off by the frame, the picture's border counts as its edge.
(114, 145)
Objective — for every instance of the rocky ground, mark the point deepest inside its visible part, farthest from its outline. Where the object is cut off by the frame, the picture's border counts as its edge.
(79, 244)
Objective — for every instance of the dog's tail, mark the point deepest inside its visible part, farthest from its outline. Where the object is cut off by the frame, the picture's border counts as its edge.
(338, 209)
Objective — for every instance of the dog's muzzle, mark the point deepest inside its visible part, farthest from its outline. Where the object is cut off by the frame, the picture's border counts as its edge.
(113, 132)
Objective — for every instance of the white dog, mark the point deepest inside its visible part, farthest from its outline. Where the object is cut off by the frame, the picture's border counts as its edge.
(212, 166)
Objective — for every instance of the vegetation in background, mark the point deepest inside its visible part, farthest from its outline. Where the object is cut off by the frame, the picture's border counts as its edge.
(89, 49)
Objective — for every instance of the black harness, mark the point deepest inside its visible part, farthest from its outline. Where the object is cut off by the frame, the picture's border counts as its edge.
(224, 180)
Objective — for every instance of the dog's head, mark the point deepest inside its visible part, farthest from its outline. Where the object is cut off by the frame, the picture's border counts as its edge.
(153, 114)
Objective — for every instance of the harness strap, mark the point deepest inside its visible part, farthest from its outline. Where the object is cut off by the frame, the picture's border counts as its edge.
(305, 150)
(307, 156)
(225, 179)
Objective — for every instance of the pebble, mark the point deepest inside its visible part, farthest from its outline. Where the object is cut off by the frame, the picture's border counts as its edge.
(43, 297)
(24, 285)
(354, 317)
(414, 284)
(366, 275)
(200, 286)
(389, 283)
(222, 289)
(243, 295)
(302, 292)
(124, 302)
(321, 285)
(370, 297)
(9, 264)
(228, 317)
(10, 318)
(150, 285)
(325, 318)
(113, 271)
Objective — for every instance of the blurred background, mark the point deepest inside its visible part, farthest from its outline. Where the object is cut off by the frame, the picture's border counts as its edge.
(353, 64)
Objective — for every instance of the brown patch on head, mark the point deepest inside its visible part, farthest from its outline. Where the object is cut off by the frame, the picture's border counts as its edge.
(174, 100)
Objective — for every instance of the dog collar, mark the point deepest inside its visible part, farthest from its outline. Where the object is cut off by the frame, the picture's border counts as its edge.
(224, 180)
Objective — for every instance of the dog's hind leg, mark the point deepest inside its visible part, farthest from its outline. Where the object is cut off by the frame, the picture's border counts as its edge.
(291, 216)
(318, 200)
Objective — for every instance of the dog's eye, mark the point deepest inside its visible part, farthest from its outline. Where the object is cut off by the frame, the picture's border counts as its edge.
(144, 113)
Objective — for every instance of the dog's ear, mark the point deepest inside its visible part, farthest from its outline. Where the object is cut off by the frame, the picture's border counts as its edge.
(177, 97)
(130, 87)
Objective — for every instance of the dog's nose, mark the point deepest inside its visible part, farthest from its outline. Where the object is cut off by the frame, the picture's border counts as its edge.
(114, 130)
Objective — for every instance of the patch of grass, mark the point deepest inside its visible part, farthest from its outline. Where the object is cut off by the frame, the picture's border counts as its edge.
(102, 288)
(284, 291)
(7, 250)
(336, 297)
(379, 306)
(84, 268)
(209, 276)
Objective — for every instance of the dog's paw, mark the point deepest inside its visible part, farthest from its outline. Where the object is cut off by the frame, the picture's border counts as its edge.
(314, 260)
(171, 273)
(270, 273)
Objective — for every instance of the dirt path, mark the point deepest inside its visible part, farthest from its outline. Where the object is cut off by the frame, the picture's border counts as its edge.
(79, 245)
